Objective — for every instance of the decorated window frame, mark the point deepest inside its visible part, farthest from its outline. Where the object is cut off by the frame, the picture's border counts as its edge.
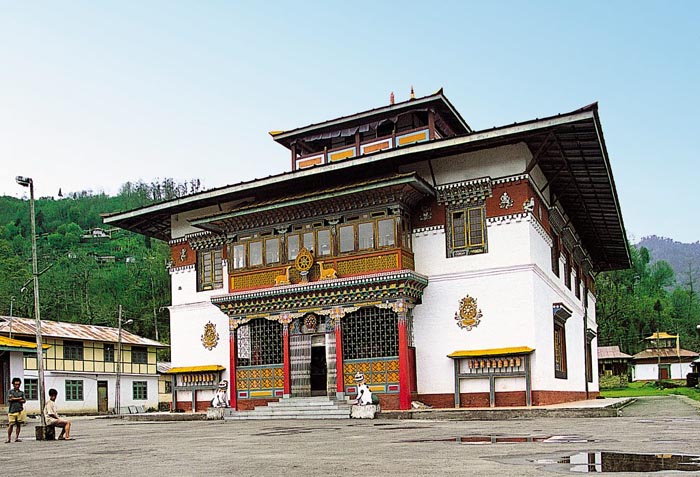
(210, 271)
(466, 231)
(561, 314)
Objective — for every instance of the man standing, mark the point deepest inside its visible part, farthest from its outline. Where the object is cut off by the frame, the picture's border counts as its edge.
(53, 419)
(16, 400)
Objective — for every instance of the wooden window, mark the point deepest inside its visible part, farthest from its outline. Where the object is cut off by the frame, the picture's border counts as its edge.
(109, 353)
(365, 235)
(347, 238)
(323, 240)
(467, 231)
(292, 246)
(239, 256)
(272, 250)
(140, 390)
(255, 252)
(309, 243)
(74, 389)
(577, 281)
(168, 387)
(555, 254)
(31, 389)
(589, 356)
(73, 350)
(139, 355)
(209, 270)
(386, 233)
(559, 350)
(567, 269)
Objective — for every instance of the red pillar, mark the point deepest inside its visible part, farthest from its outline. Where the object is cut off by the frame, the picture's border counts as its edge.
(404, 365)
(339, 375)
(233, 354)
(287, 364)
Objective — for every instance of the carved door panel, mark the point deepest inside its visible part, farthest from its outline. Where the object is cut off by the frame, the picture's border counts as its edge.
(331, 364)
(300, 363)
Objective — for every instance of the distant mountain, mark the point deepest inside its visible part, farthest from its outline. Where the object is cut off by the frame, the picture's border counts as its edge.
(679, 255)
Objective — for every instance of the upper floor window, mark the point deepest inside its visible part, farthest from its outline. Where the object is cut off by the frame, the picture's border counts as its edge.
(209, 270)
(567, 269)
(466, 231)
(272, 250)
(555, 254)
(73, 350)
(323, 242)
(109, 353)
(139, 355)
(577, 282)
(347, 239)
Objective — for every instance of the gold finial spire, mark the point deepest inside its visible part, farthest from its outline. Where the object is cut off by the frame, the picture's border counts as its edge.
(391, 98)
(413, 95)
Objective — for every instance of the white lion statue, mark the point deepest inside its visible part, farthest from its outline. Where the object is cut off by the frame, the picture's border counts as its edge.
(220, 396)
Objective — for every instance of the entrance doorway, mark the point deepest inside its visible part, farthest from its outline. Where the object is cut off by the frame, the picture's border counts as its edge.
(319, 371)
(102, 403)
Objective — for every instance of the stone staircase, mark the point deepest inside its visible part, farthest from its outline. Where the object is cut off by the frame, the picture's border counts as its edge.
(320, 407)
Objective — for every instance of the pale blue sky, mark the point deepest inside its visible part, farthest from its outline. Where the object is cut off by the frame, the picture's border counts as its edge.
(94, 94)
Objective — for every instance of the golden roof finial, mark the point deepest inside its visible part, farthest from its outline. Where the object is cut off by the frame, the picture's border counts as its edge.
(413, 95)
(391, 98)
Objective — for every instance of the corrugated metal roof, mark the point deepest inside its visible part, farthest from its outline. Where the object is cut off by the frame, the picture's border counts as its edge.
(612, 352)
(163, 367)
(73, 331)
(665, 353)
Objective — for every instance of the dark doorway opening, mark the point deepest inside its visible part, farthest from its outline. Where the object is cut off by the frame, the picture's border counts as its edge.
(319, 372)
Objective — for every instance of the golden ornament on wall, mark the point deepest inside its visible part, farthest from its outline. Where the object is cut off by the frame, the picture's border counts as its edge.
(469, 315)
(210, 338)
(304, 260)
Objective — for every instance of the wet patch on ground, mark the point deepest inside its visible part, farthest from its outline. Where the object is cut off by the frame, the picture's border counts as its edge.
(595, 462)
(501, 439)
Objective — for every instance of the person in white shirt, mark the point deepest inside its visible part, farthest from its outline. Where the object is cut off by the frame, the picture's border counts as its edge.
(53, 419)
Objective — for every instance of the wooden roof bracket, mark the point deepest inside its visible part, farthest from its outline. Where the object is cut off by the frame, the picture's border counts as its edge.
(535, 159)
(578, 191)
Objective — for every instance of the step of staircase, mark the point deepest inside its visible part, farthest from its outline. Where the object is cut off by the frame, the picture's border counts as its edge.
(295, 408)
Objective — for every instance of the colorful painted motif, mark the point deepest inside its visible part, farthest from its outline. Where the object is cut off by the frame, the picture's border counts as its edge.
(210, 338)
(468, 316)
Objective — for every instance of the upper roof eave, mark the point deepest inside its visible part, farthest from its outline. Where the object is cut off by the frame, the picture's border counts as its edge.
(285, 137)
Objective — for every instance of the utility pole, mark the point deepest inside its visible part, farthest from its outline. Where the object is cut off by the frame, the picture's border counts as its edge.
(117, 387)
(657, 308)
(28, 182)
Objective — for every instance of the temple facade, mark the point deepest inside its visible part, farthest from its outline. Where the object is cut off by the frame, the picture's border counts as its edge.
(449, 266)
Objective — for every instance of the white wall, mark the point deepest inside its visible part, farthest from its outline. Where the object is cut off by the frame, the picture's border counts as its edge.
(515, 289)
(489, 278)
(494, 163)
(187, 323)
(57, 380)
(650, 372)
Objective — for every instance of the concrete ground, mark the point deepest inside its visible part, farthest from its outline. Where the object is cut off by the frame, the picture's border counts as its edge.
(664, 425)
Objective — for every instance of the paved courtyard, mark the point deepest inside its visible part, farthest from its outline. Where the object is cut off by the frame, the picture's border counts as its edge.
(668, 425)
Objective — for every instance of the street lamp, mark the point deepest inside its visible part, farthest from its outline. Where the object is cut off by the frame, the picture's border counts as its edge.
(28, 182)
(117, 388)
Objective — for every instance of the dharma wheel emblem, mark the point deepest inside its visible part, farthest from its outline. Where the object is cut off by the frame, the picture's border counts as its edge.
(210, 338)
(304, 260)
(468, 316)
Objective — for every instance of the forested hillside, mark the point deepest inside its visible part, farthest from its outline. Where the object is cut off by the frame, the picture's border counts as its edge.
(684, 258)
(87, 271)
(627, 308)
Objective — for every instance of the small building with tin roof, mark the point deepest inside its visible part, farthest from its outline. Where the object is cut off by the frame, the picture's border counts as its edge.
(663, 358)
(80, 362)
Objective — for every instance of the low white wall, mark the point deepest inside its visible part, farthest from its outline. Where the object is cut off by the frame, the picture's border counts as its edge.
(650, 372)
(89, 402)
